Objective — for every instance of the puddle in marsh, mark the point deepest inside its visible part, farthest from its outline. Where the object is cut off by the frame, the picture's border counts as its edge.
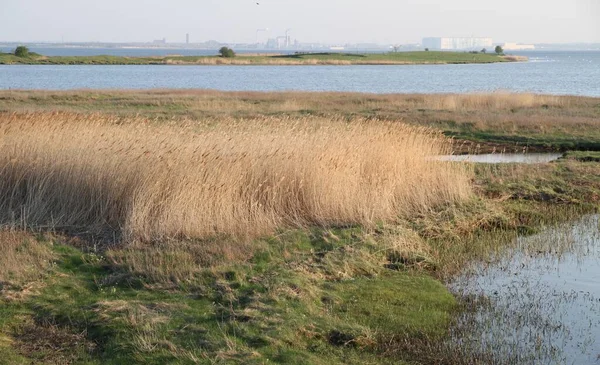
(539, 302)
(504, 158)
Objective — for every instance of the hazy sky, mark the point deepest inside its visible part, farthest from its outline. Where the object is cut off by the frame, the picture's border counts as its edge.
(329, 21)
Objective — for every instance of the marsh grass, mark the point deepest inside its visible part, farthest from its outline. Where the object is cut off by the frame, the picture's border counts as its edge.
(323, 296)
(316, 281)
(197, 180)
(310, 295)
(494, 121)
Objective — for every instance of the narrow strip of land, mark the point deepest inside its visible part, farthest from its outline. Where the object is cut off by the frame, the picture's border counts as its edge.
(393, 58)
(485, 122)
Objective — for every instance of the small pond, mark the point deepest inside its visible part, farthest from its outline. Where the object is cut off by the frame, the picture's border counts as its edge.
(504, 158)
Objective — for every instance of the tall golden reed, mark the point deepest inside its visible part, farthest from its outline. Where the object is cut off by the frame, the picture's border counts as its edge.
(151, 181)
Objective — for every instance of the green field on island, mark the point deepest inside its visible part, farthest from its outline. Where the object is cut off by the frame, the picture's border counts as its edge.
(391, 58)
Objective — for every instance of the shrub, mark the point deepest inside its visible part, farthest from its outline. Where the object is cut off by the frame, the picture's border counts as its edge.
(22, 51)
(226, 52)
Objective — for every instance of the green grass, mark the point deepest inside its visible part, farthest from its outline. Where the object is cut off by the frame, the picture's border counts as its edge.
(33, 59)
(285, 305)
(584, 156)
(329, 58)
(409, 57)
(543, 141)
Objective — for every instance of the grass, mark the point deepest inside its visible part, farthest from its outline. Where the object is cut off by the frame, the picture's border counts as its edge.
(487, 122)
(23, 260)
(308, 296)
(340, 281)
(275, 307)
(399, 58)
(583, 156)
(202, 179)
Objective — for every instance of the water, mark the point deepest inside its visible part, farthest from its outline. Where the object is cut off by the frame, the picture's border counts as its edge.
(573, 73)
(539, 302)
(527, 158)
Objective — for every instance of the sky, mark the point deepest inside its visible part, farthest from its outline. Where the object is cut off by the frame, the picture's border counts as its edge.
(325, 21)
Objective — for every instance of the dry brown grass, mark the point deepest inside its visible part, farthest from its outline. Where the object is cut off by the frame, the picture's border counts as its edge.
(256, 101)
(541, 117)
(195, 180)
(175, 262)
(494, 101)
(22, 258)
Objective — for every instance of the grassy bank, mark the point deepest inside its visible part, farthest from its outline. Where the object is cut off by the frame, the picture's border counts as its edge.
(488, 122)
(307, 296)
(399, 58)
(240, 228)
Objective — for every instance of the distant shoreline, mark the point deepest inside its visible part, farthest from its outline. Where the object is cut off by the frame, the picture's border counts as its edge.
(341, 59)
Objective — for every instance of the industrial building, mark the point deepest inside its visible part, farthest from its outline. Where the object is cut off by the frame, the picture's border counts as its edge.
(518, 47)
(460, 43)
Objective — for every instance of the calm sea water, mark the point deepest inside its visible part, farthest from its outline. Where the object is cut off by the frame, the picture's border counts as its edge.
(574, 73)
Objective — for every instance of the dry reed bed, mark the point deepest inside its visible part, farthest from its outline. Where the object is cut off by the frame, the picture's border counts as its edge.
(152, 182)
(312, 100)
(228, 103)
(493, 101)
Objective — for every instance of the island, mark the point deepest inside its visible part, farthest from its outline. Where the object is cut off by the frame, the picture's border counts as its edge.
(391, 58)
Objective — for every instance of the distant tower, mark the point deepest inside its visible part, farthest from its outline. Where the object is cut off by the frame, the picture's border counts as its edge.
(287, 38)
(187, 38)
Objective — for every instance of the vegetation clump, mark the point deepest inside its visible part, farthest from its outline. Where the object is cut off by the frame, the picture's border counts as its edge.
(243, 178)
(22, 51)
(226, 52)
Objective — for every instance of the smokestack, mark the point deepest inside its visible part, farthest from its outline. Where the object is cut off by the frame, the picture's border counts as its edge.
(187, 38)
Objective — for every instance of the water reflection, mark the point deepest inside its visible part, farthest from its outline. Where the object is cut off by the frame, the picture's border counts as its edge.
(537, 303)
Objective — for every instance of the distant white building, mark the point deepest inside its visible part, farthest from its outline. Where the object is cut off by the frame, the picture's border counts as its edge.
(460, 43)
(518, 47)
